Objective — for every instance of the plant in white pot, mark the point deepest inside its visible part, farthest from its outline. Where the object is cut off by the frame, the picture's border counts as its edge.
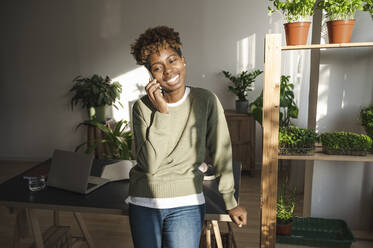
(297, 16)
(117, 147)
(242, 83)
(117, 138)
(95, 93)
(341, 18)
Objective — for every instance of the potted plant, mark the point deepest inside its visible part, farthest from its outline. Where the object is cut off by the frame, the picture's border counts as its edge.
(117, 138)
(368, 6)
(242, 83)
(285, 209)
(366, 118)
(341, 14)
(288, 107)
(95, 93)
(294, 141)
(345, 143)
(297, 17)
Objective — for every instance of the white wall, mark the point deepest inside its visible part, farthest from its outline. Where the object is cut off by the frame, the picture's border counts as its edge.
(46, 43)
(344, 190)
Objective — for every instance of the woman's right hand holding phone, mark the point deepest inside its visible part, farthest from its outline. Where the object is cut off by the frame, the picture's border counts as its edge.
(154, 91)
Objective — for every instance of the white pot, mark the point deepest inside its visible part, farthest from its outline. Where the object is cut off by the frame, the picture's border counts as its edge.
(119, 170)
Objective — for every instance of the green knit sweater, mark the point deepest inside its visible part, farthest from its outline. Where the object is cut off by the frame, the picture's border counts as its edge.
(170, 147)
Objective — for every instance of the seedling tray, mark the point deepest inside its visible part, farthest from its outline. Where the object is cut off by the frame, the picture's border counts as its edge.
(318, 232)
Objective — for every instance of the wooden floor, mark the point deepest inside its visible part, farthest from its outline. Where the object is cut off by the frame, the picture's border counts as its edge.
(109, 231)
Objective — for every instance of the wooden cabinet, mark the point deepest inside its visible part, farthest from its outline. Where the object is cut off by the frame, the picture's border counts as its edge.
(242, 132)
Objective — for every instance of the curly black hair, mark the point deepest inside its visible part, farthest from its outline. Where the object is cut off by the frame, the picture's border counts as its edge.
(153, 40)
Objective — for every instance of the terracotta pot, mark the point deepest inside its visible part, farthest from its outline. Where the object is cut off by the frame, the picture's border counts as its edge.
(284, 229)
(340, 31)
(296, 33)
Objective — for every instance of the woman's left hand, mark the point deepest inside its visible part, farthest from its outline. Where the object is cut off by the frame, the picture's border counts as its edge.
(238, 215)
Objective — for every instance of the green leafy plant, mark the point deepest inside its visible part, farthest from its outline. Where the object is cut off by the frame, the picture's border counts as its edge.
(285, 204)
(366, 118)
(95, 91)
(345, 143)
(242, 82)
(296, 140)
(368, 6)
(340, 9)
(117, 139)
(288, 107)
(293, 10)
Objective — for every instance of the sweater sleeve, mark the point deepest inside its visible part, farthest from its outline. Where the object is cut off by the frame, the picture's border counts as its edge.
(220, 149)
(150, 139)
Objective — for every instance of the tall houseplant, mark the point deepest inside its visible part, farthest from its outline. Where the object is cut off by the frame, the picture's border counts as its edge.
(297, 16)
(95, 93)
(288, 107)
(242, 83)
(341, 14)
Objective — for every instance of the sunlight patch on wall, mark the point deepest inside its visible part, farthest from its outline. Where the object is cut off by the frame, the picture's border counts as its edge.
(343, 99)
(344, 92)
(246, 54)
(133, 86)
(270, 20)
(294, 64)
(322, 102)
(276, 27)
(299, 75)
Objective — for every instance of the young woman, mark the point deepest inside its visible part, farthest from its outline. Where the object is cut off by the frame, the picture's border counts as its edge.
(173, 126)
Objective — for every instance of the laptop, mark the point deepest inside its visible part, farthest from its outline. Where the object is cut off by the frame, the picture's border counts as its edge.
(71, 171)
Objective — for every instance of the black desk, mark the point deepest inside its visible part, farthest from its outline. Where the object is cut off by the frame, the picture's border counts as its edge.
(108, 199)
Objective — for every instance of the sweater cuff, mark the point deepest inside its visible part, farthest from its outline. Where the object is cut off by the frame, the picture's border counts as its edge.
(161, 120)
(230, 201)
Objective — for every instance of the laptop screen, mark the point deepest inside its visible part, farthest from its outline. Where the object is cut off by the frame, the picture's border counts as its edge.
(70, 170)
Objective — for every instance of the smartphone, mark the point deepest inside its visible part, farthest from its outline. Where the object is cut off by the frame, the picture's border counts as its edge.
(152, 78)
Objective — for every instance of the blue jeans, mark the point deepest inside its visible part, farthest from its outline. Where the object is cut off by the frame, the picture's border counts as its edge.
(168, 228)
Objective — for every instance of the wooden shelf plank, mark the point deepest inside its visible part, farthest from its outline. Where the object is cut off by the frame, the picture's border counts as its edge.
(323, 156)
(319, 46)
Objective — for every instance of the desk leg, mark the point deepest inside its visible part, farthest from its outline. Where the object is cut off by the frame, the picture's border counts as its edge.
(208, 234)
(56, 217)
(83, 229)
(16, 237)
(35, 227)
(17, 227)
(20, 227)
(215, 225)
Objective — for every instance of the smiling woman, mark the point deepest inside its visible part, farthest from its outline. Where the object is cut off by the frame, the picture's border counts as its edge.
(173, 125)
